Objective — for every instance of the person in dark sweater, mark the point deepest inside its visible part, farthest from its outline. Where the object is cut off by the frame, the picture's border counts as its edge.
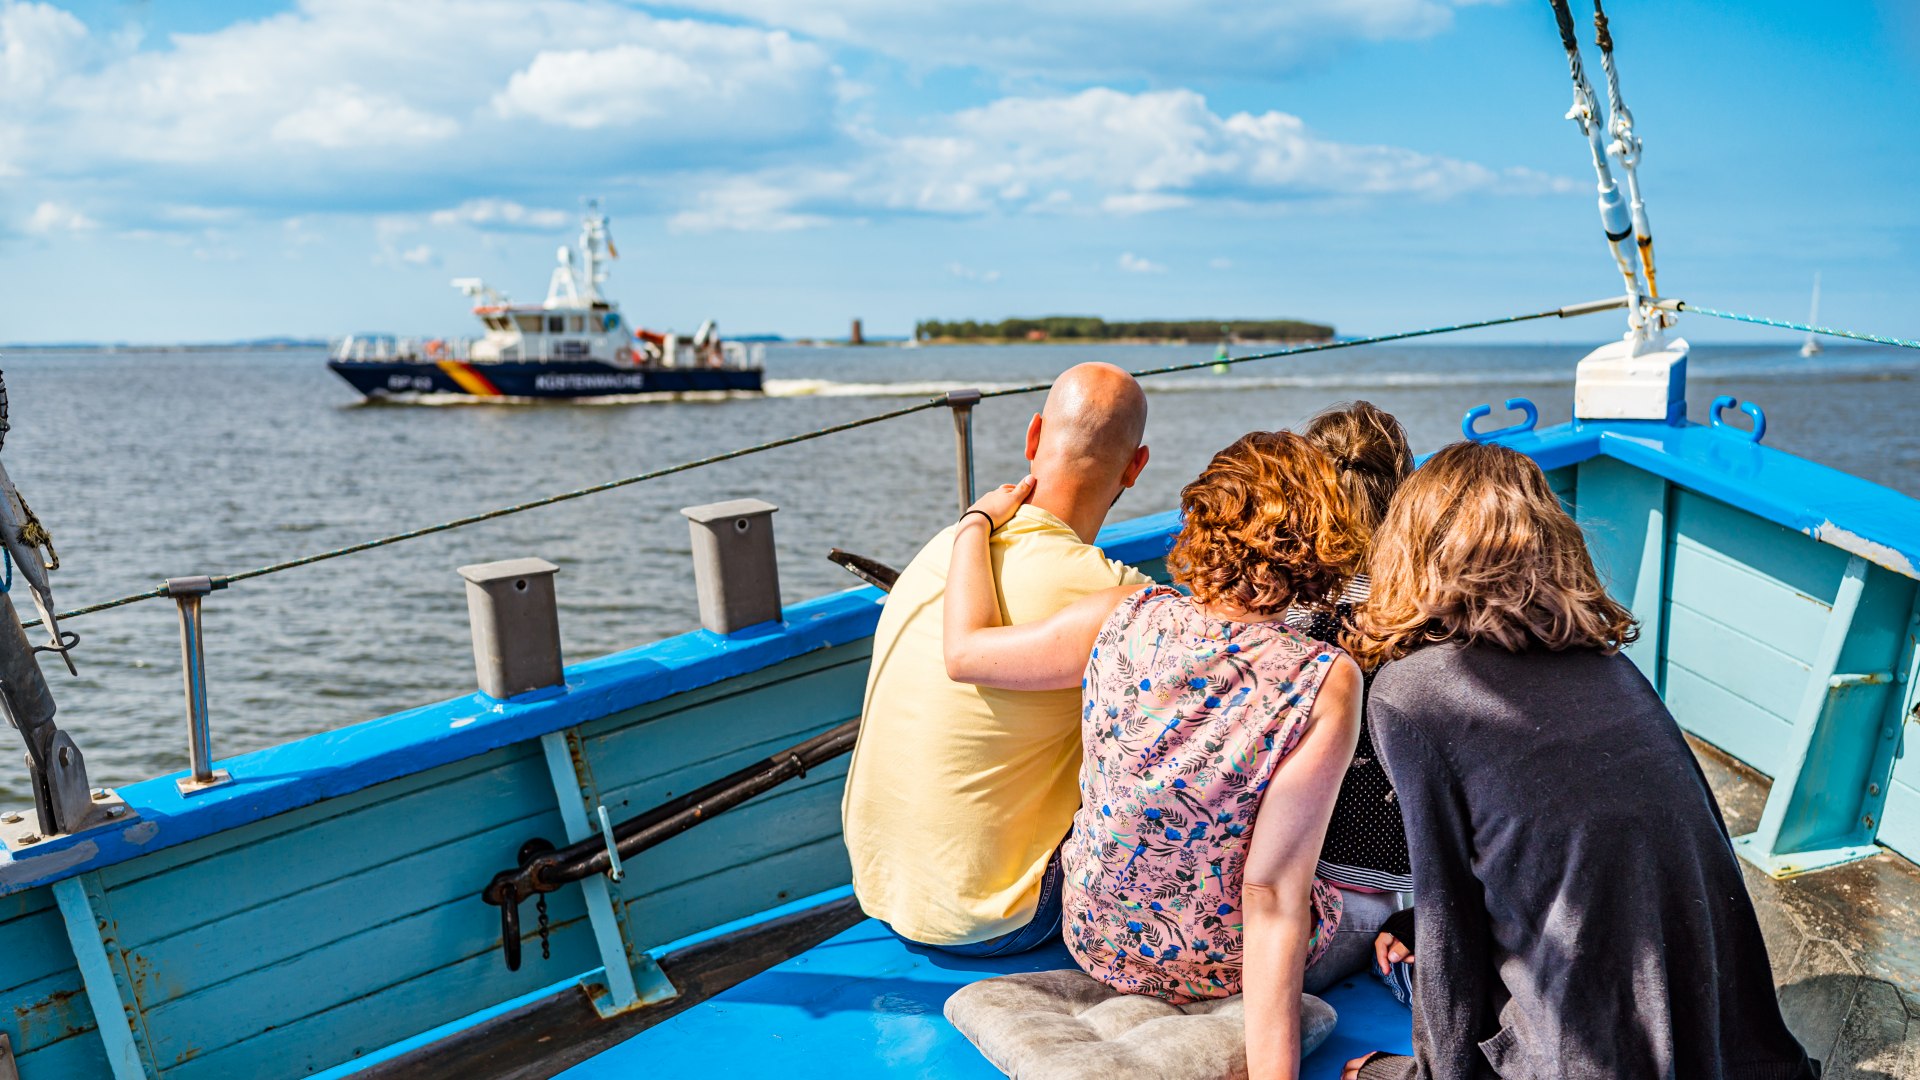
(1581, 914)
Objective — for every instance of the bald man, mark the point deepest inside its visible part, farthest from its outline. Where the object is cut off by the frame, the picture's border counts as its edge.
(958, 796)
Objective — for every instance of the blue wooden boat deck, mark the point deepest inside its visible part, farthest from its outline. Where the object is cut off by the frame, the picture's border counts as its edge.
(865, 1004)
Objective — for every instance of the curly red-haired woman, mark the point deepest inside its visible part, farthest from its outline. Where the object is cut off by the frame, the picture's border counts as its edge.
(1215, 736)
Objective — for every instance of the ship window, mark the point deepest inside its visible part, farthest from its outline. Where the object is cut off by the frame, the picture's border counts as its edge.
(529, 324)
(497, 322)
(574, 325)
(556, 325)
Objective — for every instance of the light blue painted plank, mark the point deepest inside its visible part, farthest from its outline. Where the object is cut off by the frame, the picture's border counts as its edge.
(1726, 720)
(260, 937)
(1790, 559)
(1764, 676)
(1901, 830)
(1732, 593)
(687, 739)
(785, 818)
(364, 964)
(267, 829)
(1624, 517)
(77, 1058)
(47, 1010)
(314, 847)
(21, 904)
(627, 799)
(691, 907)
(89, 931)
(32, 948)
(362, 1025)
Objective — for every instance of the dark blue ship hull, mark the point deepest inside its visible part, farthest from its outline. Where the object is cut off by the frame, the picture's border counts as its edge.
(525, 379)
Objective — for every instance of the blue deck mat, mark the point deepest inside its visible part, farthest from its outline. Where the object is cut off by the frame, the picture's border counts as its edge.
(865, 1004)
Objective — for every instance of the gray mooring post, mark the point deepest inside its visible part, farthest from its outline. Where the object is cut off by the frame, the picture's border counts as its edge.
(962, 403)
(187, 592)
(516, 627)
(734, 568)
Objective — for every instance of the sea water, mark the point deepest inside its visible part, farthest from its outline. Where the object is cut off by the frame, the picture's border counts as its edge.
(150, 465)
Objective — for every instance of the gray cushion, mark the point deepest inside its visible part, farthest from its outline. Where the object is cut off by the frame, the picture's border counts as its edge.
(1067, 1025)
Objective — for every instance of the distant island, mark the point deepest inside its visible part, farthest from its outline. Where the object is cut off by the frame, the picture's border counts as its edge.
(1087, 328)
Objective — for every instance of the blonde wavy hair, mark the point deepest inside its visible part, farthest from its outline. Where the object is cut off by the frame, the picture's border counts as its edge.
(1477, 548)
(1266, 522)
(1369, 451)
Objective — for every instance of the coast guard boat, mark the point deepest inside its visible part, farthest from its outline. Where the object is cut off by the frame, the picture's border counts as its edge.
(632, 865)
(574, 345)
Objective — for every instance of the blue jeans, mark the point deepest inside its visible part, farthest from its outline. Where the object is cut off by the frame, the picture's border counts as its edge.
(1044, 927)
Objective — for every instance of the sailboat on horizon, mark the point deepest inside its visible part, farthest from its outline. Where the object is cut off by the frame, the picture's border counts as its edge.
(1811, 346)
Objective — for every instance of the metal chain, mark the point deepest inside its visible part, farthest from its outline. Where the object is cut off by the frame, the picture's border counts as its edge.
(540, 909)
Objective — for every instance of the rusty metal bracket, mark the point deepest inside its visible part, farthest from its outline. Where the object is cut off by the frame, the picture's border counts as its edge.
(20, 833)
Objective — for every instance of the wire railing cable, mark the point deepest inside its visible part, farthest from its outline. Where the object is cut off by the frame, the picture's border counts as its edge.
(1342, 343)
(1568, 311)
(1826, 331)
(473, 519)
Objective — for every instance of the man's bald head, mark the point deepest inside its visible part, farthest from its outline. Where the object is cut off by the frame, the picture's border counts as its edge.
(1085, 445)
(1094, 418)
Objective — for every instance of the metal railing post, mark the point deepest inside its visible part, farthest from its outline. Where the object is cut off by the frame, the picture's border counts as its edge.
(187, 593)
(962, 403)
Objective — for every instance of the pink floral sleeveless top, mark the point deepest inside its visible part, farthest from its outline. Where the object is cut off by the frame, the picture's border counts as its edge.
(1184, 719)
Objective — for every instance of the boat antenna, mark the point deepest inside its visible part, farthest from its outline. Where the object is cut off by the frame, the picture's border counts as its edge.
(1614, 216)
(1626, 147)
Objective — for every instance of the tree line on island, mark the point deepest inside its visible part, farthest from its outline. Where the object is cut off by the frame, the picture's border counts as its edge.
(1071, 328)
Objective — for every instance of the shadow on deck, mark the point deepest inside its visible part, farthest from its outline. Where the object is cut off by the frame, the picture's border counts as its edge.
(1845, 945)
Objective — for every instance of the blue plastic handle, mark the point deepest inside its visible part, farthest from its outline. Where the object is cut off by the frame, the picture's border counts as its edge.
(1531, 417)
(1728, 401)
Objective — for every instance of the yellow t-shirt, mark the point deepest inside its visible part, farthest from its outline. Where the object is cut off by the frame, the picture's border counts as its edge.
(956, 795)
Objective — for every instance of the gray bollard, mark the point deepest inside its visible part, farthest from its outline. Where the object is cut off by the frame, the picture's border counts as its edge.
(734, 569)
(516, 629)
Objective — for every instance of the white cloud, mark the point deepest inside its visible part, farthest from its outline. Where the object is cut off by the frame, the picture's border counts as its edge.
(418, 255)
(1100, 150)
(37, 43)
(1137, 264)
(52, 217)
(968, 273)
(1220, 264)
(501, 214)
(346, 117)
(1102, 39)
(685, 75)
(510, 82)
(751, 205)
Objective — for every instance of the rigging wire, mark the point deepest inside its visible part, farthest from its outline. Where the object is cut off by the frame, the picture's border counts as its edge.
(1626, 146)
(1805, 328)
(1615, 219)
(223, 580)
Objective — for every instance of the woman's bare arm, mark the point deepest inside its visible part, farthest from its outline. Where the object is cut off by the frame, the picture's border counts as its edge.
(1276, 900)
(1050, 654)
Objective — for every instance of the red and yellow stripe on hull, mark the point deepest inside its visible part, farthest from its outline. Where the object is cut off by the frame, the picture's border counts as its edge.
(467, 379)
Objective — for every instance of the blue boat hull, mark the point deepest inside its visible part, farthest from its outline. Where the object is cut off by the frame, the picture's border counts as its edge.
(529, 379)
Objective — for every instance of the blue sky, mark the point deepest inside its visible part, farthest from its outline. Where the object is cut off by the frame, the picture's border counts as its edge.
(177, 171)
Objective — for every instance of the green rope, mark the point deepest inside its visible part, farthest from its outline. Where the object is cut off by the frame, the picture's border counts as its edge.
(922, 406)
(1802, 327)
